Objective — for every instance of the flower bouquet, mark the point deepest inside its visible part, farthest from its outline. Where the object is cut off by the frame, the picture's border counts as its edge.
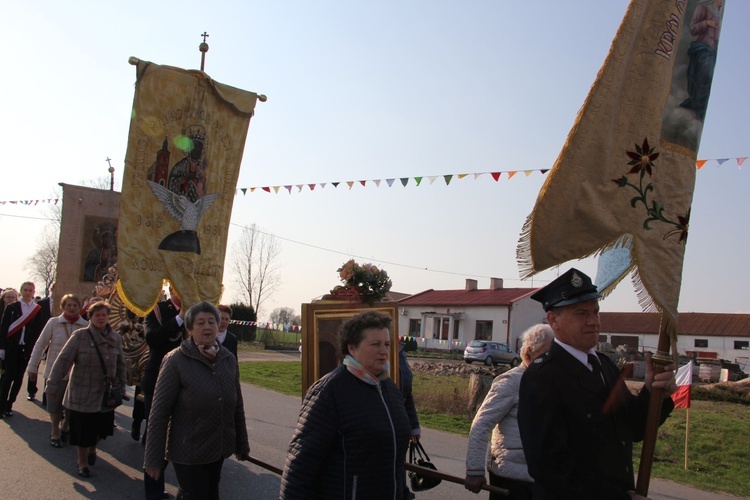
(364, 282)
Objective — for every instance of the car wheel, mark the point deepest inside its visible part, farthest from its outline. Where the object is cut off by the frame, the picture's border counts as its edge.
(514, 362)
(488, 361)
(469, 360)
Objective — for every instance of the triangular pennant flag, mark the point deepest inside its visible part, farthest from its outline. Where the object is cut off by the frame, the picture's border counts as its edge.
(418, 180)
(377, 182)
(252, 190)
(699, 164)
(544, 171)
(323, 185)
(299, 187)
(477, 176)
(511, 174)
(390, 182)
(276, 189)
(311, 186)
(335, 184)
(527, 172)
(363, 182)
(266, 189)
(432, 178)
(461, 176)
(289, 189)
(722, 160)
(350, 184)
(244, 191)
(404, 180)
(740, 161)
(447, 179)
(496, 175)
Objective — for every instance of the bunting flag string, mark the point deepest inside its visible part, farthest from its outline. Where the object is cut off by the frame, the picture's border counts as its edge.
(281, 327)
(447, 178)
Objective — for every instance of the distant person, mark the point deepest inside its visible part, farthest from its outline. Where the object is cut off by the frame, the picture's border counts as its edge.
(8, 296)
(496, 418)
(21, 324)
(353, 431)
(54, 336)
(197, 415)
(405, 379)
(225, 337)
(90, 420)
(578, 421)
(165, 331)
(31, 383)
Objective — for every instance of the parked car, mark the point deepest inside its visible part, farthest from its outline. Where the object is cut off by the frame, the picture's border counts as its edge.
(491, 353)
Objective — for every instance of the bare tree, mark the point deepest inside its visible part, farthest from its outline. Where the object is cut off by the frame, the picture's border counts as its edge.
(284, 315)
(43, 264)
(255, 262)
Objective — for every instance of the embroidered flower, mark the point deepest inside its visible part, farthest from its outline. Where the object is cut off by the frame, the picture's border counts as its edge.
(642, 158)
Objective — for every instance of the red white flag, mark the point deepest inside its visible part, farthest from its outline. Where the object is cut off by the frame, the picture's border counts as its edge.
(684, 379)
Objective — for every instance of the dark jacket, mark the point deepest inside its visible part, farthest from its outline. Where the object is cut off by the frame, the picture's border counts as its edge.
(350, 441)
(163, 334)
(405, 380)
(574, 446)
(33, 328)
(197, 415)
(230, 342)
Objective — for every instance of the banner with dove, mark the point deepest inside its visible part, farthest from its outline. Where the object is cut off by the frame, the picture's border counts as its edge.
(187, 135)
(623, 183)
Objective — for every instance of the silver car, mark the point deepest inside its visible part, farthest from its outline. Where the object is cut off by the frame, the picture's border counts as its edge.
(491, 353)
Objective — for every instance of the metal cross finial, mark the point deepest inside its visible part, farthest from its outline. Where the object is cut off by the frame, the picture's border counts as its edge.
(109, 161)
(203, 47)
(204, 35)
(111, 171)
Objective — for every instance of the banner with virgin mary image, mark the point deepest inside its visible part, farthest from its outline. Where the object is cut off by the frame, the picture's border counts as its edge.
(187, 135)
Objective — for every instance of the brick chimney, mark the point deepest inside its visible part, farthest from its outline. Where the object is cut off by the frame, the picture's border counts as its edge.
(471, 284)
(496, 283)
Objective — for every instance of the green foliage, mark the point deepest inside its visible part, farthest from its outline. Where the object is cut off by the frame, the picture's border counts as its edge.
(243, 312)
(280, 376)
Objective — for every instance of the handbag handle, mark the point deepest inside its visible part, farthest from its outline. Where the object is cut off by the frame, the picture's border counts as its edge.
(418, 449)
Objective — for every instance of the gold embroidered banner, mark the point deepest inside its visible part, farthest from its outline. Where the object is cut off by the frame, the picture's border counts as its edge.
(626, 174)
(187, 135)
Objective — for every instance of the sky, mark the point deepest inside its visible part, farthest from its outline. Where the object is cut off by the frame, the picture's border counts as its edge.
(364, 91)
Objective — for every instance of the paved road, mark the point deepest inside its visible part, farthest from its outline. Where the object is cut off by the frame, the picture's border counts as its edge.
(50, 473)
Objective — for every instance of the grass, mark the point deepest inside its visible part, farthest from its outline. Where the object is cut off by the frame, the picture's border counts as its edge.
(718, 459)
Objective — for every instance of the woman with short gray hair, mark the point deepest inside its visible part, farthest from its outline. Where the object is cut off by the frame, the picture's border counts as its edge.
(506, 463)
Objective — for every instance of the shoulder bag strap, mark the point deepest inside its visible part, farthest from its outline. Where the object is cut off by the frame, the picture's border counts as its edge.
(98, 352)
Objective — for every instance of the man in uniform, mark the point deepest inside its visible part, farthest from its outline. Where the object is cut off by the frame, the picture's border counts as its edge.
(225, 337)
(578, 421)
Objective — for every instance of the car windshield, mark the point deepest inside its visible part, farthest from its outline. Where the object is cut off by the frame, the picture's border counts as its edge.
(476, 343)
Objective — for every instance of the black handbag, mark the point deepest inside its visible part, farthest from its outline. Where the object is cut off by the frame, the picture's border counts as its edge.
(417, 456)
(112, 391)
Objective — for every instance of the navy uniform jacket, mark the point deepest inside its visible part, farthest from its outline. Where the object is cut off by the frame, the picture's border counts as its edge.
(577, 438)
(161, 337)
(33, 328)
(230, 342)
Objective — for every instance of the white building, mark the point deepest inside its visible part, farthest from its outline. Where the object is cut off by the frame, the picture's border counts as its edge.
(449, 319)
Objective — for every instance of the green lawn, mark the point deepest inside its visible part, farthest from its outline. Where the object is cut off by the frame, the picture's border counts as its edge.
(719, 447)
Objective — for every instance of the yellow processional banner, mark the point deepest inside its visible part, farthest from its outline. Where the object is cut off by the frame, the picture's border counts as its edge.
(625, 177)
(187, 136)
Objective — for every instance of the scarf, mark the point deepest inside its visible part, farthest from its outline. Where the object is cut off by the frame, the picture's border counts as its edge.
(71, 319)
(208, 351)
(359, 371)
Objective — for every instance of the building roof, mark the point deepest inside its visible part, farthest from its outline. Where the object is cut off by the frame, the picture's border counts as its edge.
(451, 298)
(701, 324)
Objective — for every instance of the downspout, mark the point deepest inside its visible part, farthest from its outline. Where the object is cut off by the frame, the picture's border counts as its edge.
(507, 333)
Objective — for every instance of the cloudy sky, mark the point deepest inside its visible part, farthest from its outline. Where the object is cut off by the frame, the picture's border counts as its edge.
(364, 91)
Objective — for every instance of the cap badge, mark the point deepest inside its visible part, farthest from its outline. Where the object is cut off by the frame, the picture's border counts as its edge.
(576, 280)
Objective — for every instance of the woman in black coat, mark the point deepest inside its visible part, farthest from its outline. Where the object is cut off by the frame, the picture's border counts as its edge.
(353, 431)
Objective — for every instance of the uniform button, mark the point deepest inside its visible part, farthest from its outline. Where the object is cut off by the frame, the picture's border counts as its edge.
(588, 415)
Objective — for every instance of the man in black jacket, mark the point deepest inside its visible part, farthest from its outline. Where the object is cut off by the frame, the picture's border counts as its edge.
(165, 330)
(21, 324)
(578, 421)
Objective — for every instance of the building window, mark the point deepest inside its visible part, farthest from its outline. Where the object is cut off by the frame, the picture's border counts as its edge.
(441, 328)
(742, 344)
(484, 330)
(415, 327)
(455, 329)
(701, 343)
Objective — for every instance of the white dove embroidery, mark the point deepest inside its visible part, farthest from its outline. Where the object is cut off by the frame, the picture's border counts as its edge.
(186, 213)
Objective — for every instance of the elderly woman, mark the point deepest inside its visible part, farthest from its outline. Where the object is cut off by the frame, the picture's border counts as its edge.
(90, 352)
(8, 296)
(353, 431)
(506, 462)
(197, 415)
(54, 336)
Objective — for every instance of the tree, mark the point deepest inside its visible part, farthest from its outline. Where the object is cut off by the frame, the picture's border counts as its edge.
(43, 264)
(284, 315)
(255, 262)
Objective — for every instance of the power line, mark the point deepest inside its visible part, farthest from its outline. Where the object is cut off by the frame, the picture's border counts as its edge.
(26, 217)
(408, 266)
